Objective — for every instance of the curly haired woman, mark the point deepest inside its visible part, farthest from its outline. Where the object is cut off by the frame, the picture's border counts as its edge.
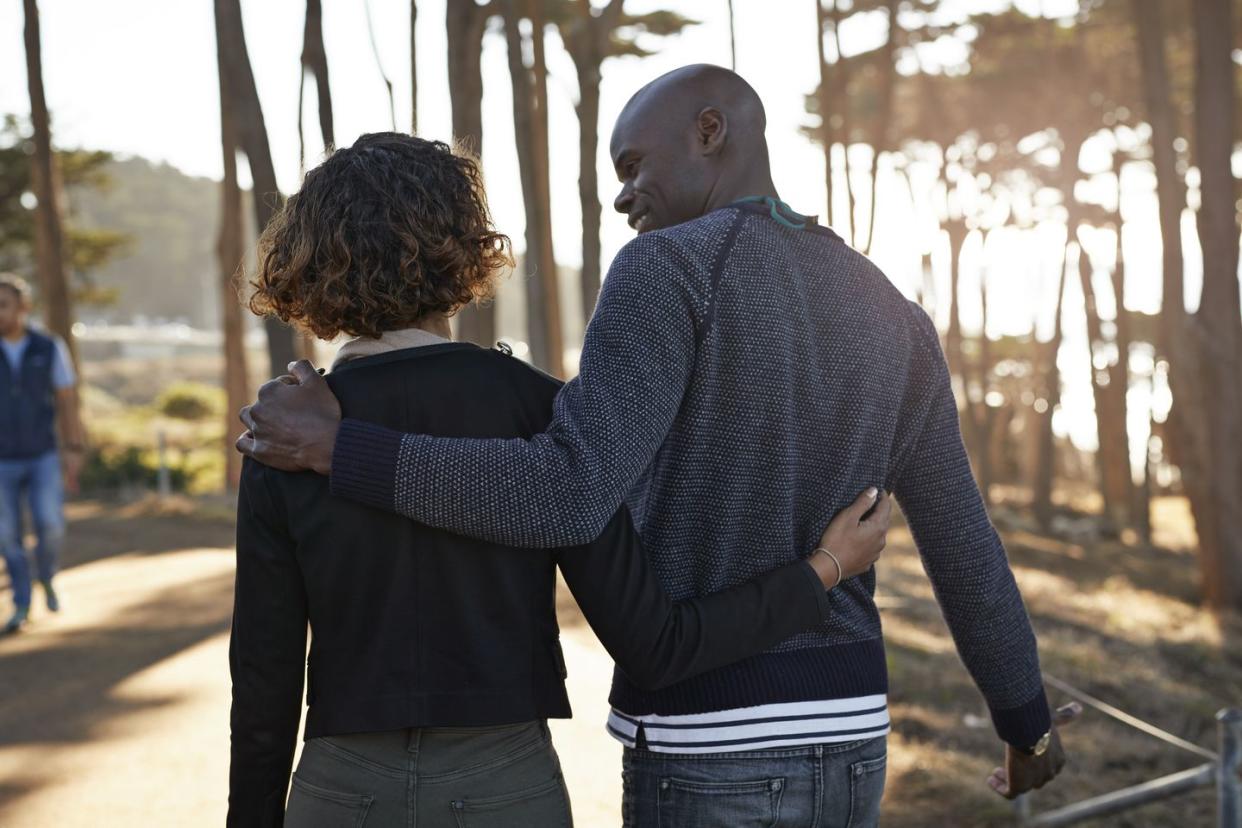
(434, 659)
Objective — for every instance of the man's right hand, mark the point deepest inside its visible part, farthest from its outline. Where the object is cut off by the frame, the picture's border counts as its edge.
(856, 542)
(293, 425)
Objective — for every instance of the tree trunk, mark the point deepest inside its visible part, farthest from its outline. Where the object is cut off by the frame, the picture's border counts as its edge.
(465, 22)
(523, 115)
(238, 79)
(45, 178)
(1184, 434)
(1113, 455)
(230, 254)
(732, 38)
(879, 142)
(1119, 372)
(1045, 454)
(413, 67)
(1220, 311)
(551, 312)
(842, 74)
(825, 100)
(315, 61)
(379, 65)
(588, 189)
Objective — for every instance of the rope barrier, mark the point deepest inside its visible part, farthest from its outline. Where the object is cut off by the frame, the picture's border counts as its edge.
(1133, 721)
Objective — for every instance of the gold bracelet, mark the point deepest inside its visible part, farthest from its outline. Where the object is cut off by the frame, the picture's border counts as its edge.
(840, 571)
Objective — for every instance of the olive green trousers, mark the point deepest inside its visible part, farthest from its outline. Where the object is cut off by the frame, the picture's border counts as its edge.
(494, 777)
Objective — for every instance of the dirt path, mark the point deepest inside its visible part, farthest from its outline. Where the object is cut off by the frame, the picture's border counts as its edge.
(115, 712)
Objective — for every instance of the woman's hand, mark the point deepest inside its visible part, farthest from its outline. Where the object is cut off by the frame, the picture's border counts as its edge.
(856, 543)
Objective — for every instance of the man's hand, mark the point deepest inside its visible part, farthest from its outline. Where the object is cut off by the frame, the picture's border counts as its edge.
(1023, 773)
(71, 469)
(854, 537)
(293, 425)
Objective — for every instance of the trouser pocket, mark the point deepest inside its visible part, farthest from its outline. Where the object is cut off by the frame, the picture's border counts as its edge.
(541, 806)
(311, 806)
(683, 803)
(866, 791)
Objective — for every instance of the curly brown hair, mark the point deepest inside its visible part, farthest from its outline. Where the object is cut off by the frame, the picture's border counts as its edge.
(381, 234)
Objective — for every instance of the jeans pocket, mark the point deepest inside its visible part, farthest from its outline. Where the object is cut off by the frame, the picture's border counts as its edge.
(543, 806)
(866, 791)
(311, 806)
(752, 804)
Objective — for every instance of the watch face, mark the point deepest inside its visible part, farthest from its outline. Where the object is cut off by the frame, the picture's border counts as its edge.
(1041, 747)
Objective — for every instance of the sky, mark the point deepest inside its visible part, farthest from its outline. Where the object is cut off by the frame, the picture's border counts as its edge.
(138, 77)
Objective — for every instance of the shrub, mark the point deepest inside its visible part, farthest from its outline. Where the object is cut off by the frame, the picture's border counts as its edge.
(190, 401)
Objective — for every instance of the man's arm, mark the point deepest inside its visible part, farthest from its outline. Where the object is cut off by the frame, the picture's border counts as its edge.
(559, 488)
(68, 415)
(267, 657)
(657, 642)
(966, 561)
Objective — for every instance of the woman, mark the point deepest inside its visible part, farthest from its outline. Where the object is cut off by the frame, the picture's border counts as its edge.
(434, 659)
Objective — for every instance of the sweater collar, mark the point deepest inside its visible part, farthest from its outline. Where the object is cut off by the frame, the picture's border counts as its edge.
(365, 346)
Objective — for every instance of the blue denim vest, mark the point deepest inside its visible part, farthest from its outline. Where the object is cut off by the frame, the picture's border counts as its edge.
(27, 402)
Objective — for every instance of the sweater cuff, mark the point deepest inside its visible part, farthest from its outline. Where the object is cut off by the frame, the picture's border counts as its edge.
(1023, 726)
(822, 604)
(364, 464)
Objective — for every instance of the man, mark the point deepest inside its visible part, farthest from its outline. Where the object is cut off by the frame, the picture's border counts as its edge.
(736, 350)
(37, 384)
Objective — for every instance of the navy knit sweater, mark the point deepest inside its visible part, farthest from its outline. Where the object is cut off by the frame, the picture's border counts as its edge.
(741, 381)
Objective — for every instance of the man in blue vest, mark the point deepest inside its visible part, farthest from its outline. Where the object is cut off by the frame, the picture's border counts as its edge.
(38, 386)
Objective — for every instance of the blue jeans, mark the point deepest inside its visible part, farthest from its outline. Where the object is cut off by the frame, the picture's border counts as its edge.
(813, 786)
(39, 479)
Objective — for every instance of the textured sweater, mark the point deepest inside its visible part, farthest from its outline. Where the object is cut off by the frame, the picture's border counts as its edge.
(740, 382)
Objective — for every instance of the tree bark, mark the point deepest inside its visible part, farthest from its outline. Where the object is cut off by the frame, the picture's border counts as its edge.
(1220, 310)
(230, 254)
(49, 231)
(465, 23)
(1045, 454)
(879, 142)
(413, 67)
(237, 80)
(551, 312)
(842, 74)
(825, 96)
(315, 61)
(586, 39)
(1113, 454)
(732, 38)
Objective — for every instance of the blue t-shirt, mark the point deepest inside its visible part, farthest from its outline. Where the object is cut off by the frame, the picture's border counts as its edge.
(62, 366)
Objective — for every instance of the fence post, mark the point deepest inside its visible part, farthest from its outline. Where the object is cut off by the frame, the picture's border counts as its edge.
(1228, 785)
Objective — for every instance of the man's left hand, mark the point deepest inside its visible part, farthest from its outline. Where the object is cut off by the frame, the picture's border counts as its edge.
(293, 425)
(1023, 773)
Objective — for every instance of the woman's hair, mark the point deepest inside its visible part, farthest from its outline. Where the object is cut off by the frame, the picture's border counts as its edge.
(381, 234)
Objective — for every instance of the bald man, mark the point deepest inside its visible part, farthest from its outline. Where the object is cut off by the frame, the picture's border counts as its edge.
(738, 349)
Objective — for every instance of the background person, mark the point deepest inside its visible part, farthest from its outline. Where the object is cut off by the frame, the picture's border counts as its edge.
(38, 386)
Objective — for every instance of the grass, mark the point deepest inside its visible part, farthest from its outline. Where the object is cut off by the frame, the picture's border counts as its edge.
(1119, 621)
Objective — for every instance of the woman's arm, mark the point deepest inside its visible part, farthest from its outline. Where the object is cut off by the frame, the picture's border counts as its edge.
(657, 642)
(267, 655)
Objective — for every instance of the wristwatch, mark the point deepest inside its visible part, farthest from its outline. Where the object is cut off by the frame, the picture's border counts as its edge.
(1039, 748)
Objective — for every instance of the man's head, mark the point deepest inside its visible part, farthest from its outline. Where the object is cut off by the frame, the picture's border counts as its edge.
(686, 143)
(14, 304)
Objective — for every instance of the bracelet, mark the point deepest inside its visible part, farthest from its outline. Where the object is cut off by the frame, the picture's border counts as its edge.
(840, 571)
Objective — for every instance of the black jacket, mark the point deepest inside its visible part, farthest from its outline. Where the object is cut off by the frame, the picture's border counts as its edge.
(414, 626)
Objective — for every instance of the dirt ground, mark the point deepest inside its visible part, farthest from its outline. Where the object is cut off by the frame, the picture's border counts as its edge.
(115, 712)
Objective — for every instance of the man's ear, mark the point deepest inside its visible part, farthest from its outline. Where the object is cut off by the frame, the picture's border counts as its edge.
(711, 130)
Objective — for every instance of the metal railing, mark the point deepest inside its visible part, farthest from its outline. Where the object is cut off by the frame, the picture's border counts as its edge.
(1222, 770)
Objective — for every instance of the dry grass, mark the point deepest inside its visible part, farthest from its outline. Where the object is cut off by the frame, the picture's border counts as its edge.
(1118, 621)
